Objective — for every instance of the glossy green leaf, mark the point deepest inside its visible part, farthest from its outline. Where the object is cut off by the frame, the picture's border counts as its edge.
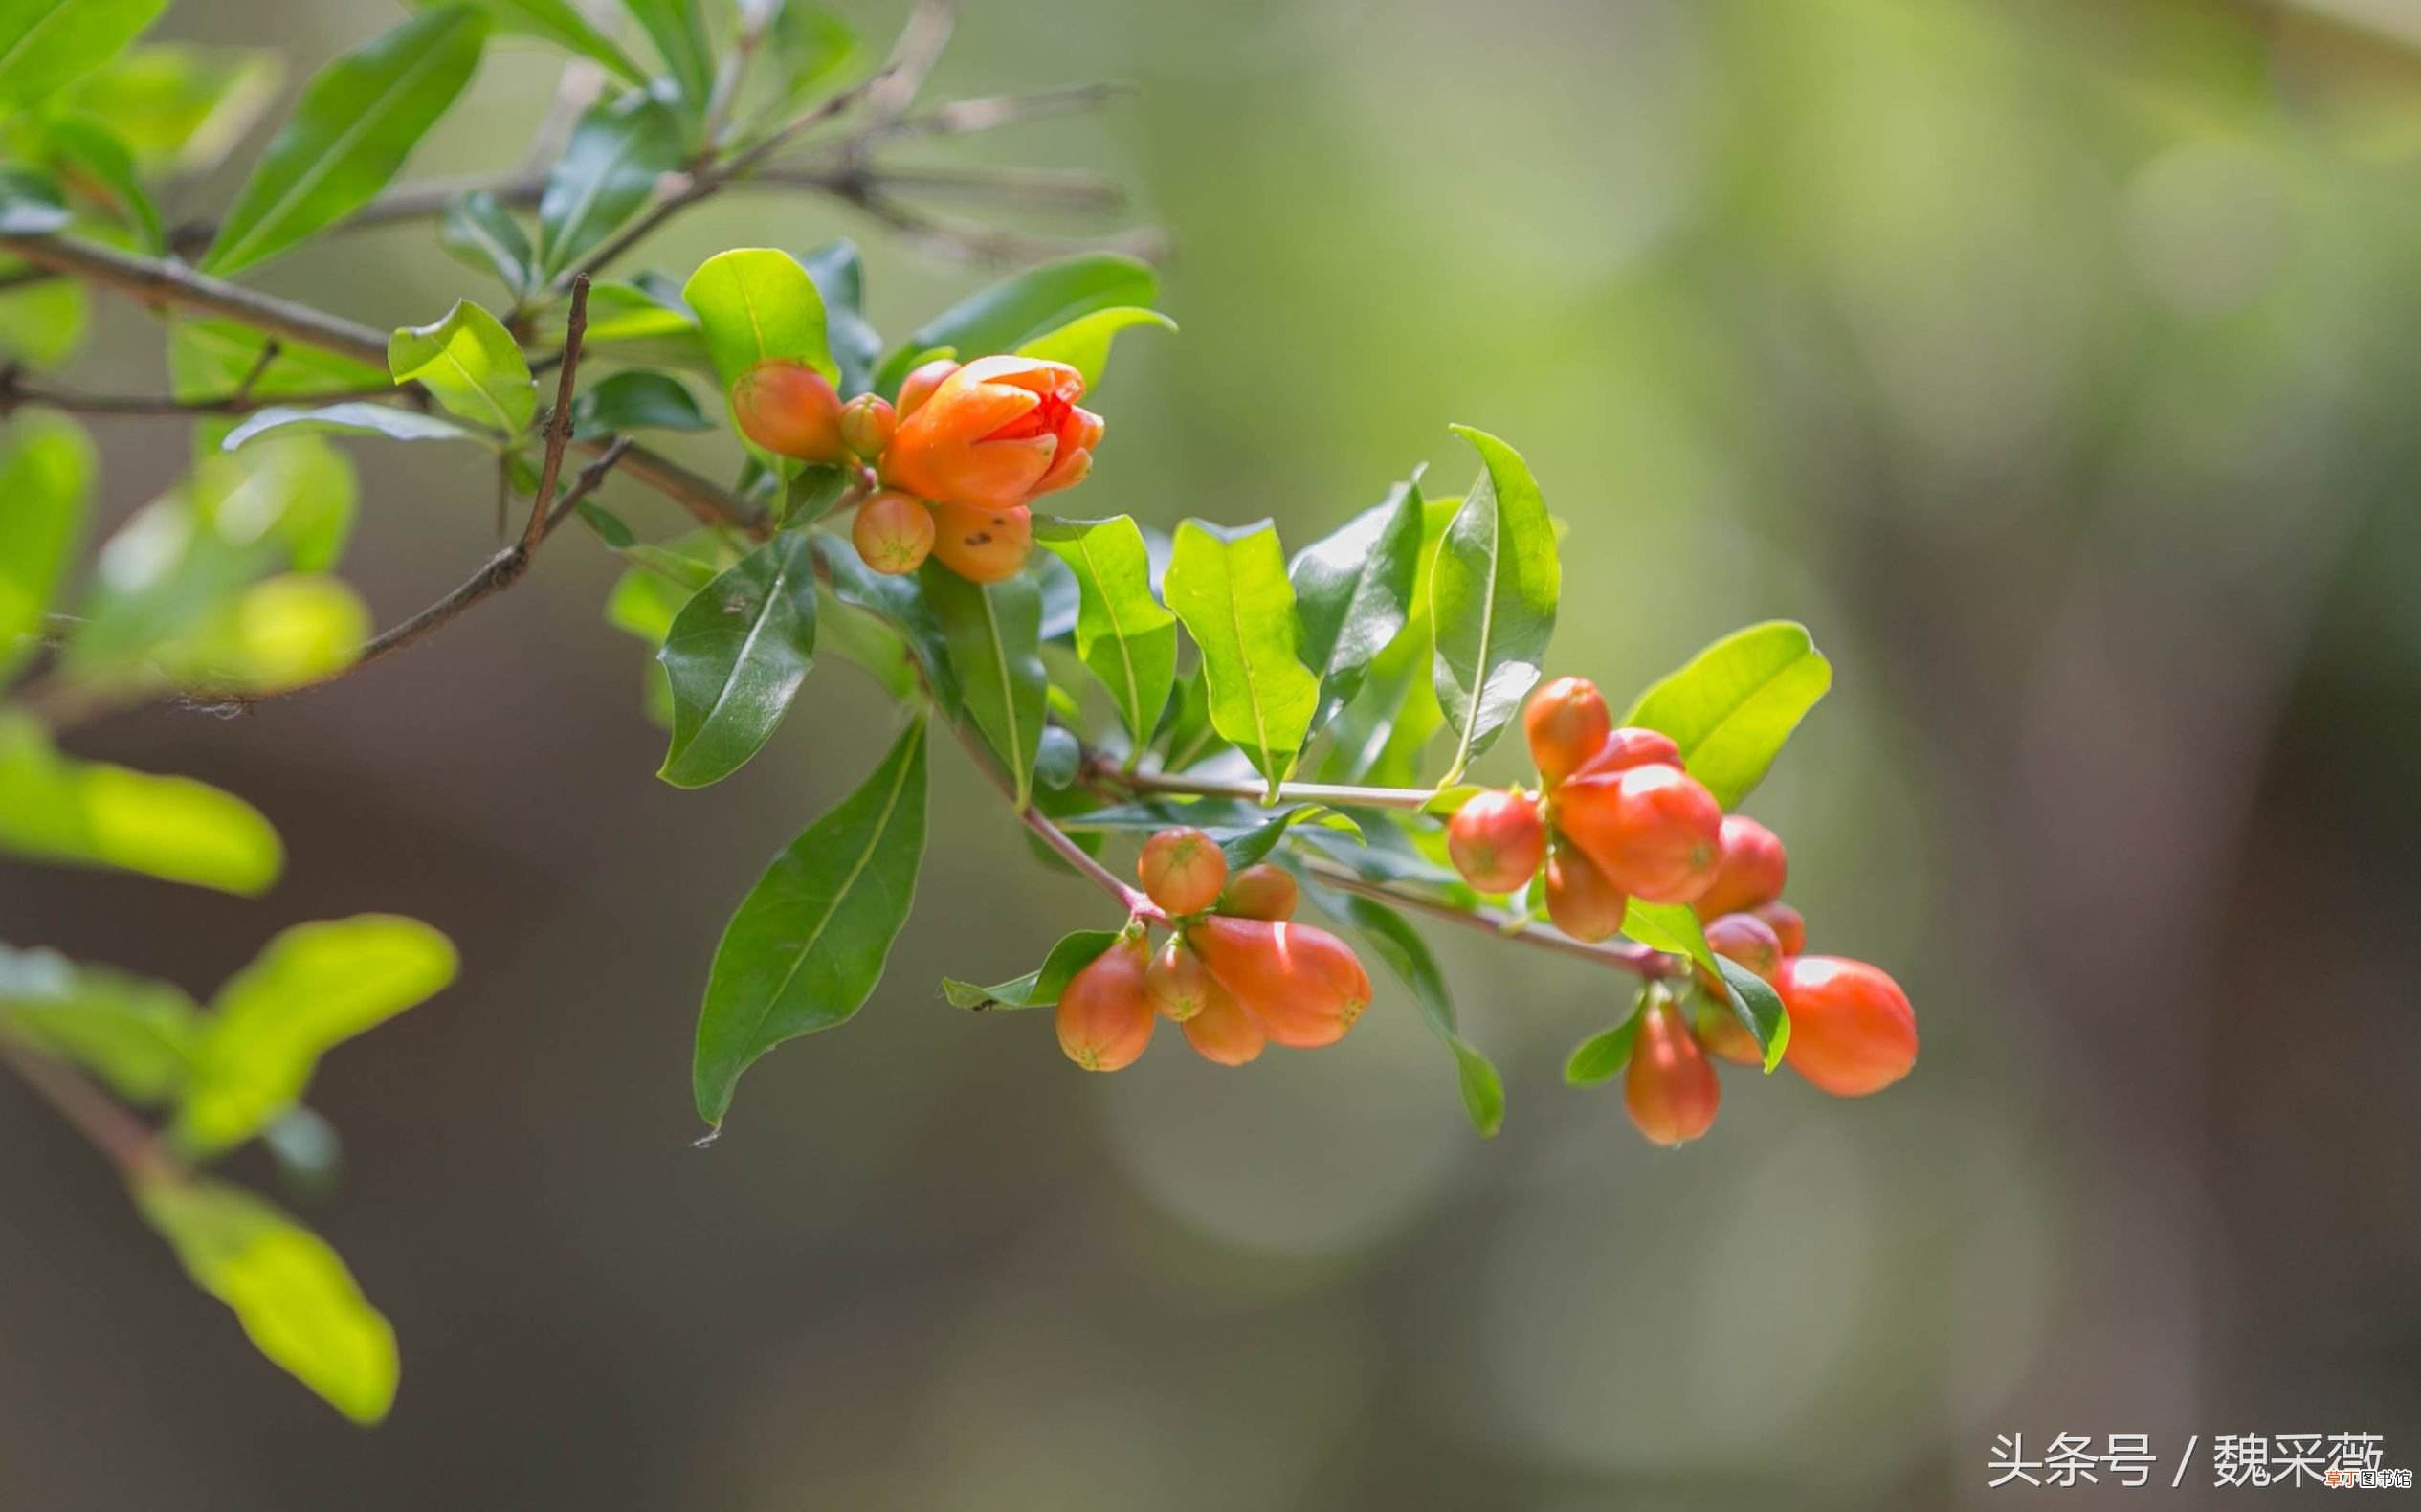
(1231, 591)
(46, 464)
(678, 30)
(736, 656)
(1758, 1007)
(562, 23)
(841, 279)
(47, 45)
(1018, 309)
(1039, 987)
(1601, 1057)
(481, 232)
(31, 203)
(1736, 702)
(1492, 599)
(470, 365)
(1353, 592)
(609, 168)
(807, 942)
(135, 1034)
(297, 1302)
(180, 108)
(94, 155)
(753, 303)
(1127, 639)
(358, 119)
(356, 417)
(1408, 955)
(54, 808)
(1083, 343)
(636, 401)
(898, 603)
(1674, 928)
(1254, 844)
(993, 633)
(311, 988)
(1382, 733)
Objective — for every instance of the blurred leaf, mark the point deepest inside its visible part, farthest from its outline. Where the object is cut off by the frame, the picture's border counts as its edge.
(1408, 955)
(135, 1034)
(42, 323)
(297, 1303)
(30, 202)
(56, 809)
(1010, 313)
(46, 476)
(807, 942)
(678, 30)
(898, 602)
(313, 988)
(994, 633)
(47, 45)
(1231, 591)
(636, 401)
(1039, 987)
(810, 45)
(1126, 637)
(1493, 597)
(1083, 343)
(1735, 703)
(481, 232)
(207, 359)
(284, 632)
(1758, 1007)
(356, 417)
(1601, 1057)
(358, 118)
(736, 655)
(91, 152)
(617, 152)
(180, 108)
(562, 23)
(1353, 592)
(753, 303)
(841, 282)
(470, 363)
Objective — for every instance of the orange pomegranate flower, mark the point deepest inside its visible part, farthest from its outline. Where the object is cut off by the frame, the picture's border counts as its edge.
(995, 434)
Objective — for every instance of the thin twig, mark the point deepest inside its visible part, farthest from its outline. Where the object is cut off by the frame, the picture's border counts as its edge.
(559, 423)
(126, 1139)
(1637, 959)
(15, 392)
(1337, 793)
(269, 350)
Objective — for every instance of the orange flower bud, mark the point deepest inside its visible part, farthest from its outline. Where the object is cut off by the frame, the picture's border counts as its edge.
(1788, 928)
(788, 409)
(1223, 1031)
(893, 532)
(1104, 1019)
(1654, 831)
(919, 385)
(1261, 891)
(1497, 840)
(1631, 747)
(995, 434)
(1852, 1031)
(1579, 899)
(1750, 871)
(1567, 724)
(1303, 984)
(1670, 1089)
(982, 546)
(1183, 869)
(1178, 982)
(866, 424)
(1746, 939)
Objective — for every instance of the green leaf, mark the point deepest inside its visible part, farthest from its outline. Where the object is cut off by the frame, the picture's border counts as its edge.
(1735, 703)
(470, 365)
(207, 359)
(1380, 735)
(809, 46)
(46, 475)
(1245, 848)
(92, 813)
(297, 1303)
(41, 323)
(1010, 313)
(1408, 955)
(561, 22)
(311, 988)
(898, 603)
(1492, 595)
(753, 303)
(993, 633)
(617, 152)
(1670, 927)
(46, 45)
(1039, 987)
(358, 118)
(1601, 1057)
(1231, 591)
(840, 280)
(736, 655)
(101, 160)
(636, 401)
(1353, 592)
(481, 232)
(807, 942)
(180, 108)
(287, 632)
(1186, 736)
(1758, 1007)
(356, 417)
(30, 203)
(679, 30)
(1123, 635)
(1083, 343)
(135, 1034)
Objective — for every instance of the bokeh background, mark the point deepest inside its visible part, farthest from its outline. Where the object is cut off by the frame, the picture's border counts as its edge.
(2056, 360)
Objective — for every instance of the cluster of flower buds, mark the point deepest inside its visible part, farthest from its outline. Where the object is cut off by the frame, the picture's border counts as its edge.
(961, 457)
(1617, 818)
(1235, 973)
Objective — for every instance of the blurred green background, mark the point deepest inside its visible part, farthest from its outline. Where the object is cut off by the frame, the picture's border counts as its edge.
(2056, 360)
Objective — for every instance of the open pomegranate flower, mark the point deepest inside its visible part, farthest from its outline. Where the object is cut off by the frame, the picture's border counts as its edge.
(998, 432)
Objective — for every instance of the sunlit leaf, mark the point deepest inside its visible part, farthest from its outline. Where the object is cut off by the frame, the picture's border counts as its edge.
(54, 808)
(284, 632)
(1231, 590)
(1734, 704)
(470, 363)
(47, 45)
(754, 303)
(1018, 309)
(1127, 639)
(135, 1034)
(736, 655)
(1039, 987)
(46, 478)
(1083, 343)
(1493, 597)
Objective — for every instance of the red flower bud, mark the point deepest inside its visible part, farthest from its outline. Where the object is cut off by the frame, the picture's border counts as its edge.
(1223, 1031)
(866, 424)
(893, 532)
(1178, 982)
(1303, 984)
(788, 409)
(1852, 1031)
(1750, 871)
(1183, 869)
(1579, 899)
(1669, 1087)
(919, 385)
(994, 434)
(1567, 724)
(1654, 831)
(1631, 747)
(1496, 842)
(1104, 1019)
(1261, 891)
(1788, 928)
(982, 546)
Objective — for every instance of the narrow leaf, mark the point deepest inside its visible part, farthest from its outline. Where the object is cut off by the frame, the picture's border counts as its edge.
(1018, 309)
(359, 418)
(617, 152)
(678, 30)
(1492, 596)
(752, 303)
(92, 813)
(1759, 1007)
(993, 633)
(46, 476)
(736, 655)
(472, 365)
(135, 1034)
(92, 156)
(1039, 987)
(1734, 704)
(46, 45)
(1353, 593)
(1083, 343)
(1408, 955)
(561, 22)
(1231, 591)
(1123, 635)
